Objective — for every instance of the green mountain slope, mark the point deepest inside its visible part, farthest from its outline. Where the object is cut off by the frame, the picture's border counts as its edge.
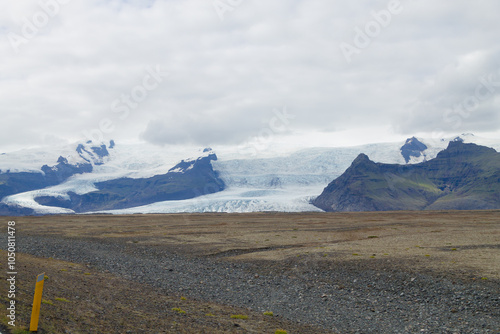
(462, 177)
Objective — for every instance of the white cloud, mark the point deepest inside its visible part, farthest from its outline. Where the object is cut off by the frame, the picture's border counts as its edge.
(227, 76)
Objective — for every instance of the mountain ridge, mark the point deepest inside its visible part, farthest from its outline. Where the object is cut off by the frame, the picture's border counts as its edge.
(18, 182)
(462, 177)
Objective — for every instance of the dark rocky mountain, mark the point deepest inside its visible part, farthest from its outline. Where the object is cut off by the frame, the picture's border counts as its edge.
(188, 179)
(14, 210)
(461, 177)
(18, 182)
(95, 154)
(13, 183)
(412, 148)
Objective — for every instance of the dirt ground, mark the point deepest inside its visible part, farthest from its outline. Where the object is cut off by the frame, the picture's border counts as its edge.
(456, 241)
(465, 245)
(77, 299)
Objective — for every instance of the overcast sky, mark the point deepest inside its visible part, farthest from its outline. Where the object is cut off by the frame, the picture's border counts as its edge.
(228, 72)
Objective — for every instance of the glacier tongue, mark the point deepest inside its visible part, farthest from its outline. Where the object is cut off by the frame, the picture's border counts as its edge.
(235, 200)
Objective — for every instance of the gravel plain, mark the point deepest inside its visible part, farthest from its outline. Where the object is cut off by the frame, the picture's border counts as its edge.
(375, 296)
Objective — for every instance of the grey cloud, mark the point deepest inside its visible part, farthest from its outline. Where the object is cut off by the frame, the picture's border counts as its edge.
(463, 97)
(227, 76)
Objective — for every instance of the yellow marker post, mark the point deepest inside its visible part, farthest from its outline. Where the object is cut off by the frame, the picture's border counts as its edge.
(37, 302)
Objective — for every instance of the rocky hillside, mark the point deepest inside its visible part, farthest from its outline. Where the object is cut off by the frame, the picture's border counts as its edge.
(188, 179)
(461, 177)
(13, 182)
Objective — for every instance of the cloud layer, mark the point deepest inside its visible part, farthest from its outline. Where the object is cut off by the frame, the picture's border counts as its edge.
(78, 68)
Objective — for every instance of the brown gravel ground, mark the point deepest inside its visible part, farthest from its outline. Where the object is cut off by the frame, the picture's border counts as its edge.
(460, 245)
(77, 299)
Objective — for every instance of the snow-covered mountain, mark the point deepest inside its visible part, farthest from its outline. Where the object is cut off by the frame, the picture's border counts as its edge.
(25, 176)
(126, 176)
(32, 160)
(280, 183)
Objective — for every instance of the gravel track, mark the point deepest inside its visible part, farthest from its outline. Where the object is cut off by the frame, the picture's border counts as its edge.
(349, 298)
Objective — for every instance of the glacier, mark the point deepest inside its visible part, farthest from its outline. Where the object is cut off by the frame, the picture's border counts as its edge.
(284, 182)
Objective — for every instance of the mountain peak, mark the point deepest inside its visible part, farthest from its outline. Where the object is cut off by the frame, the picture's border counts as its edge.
(361, 159)
(362, 164)
(189, 164)
(413, 148)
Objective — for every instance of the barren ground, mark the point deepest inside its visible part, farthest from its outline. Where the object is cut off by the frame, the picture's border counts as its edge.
(457, 246)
